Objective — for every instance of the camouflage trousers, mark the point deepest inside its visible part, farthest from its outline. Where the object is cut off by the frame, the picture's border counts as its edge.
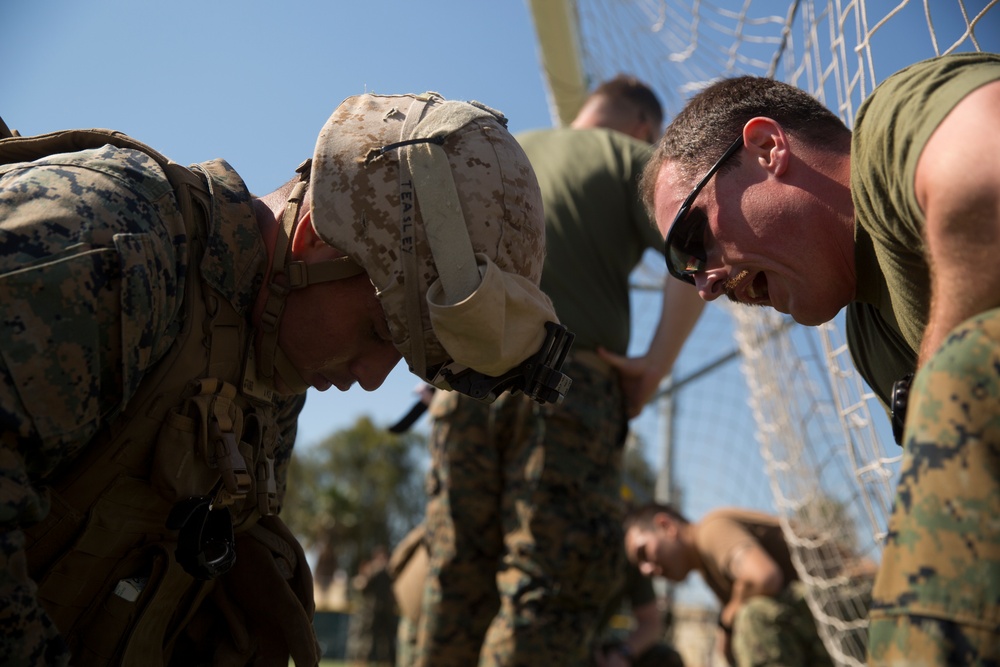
(523, 525)
(937, 593)
(778, 631)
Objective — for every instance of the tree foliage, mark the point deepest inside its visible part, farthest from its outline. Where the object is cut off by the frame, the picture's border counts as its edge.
(359, 488)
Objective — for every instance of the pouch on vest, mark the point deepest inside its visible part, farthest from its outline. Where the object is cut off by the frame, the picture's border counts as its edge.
(126, 610)
(200, 442)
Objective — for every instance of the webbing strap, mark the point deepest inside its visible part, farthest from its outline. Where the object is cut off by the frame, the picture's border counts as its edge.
(301, 274)
(407, 247)
(286, 560)
(444, 223)
(275, 304)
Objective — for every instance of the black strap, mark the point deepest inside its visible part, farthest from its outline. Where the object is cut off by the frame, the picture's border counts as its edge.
(404, 424)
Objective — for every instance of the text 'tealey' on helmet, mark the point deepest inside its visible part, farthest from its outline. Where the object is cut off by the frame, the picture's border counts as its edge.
(438, 203)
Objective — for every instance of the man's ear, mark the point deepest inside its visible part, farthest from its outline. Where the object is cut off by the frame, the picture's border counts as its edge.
(305, 237)
(663, 521)
(768, 144)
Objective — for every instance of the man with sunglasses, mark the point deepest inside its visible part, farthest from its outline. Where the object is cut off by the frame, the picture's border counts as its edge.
(899, 223)
(160, 326)
(523, 518)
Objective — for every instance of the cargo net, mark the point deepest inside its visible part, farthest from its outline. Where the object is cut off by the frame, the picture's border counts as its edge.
(754, 419)
(830, 478)
(836, 49)
(824, 446)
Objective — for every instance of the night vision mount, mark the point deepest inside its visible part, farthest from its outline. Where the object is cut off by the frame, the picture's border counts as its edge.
(538, 377)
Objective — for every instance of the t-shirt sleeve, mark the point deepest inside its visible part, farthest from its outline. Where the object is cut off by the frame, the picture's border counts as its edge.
(891, 130)
(648, 231)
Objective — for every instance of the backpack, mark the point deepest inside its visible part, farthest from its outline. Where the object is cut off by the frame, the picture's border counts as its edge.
(105, 560)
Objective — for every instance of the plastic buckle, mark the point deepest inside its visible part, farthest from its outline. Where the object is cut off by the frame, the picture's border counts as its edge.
(267, 487)
(229, 461)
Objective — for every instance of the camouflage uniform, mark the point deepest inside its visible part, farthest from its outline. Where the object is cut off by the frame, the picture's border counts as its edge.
(521, 501)
(937, 594)
(408, 569)
(126, 326)
(523, 520)
(938, 589)
(778, 631)
(92, 276)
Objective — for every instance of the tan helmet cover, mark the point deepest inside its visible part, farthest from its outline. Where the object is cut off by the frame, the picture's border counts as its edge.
(439, 205)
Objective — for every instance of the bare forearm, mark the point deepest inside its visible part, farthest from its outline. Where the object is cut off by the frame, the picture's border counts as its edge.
(680, 310)
(648, 630)
(962, 214)
(641, 376)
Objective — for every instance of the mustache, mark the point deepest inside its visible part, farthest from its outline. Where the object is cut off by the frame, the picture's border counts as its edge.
(730, 285)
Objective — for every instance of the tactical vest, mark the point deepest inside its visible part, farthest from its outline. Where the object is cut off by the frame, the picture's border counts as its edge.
(104, 559)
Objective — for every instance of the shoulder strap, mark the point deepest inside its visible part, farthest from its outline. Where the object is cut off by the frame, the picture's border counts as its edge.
(15, 148)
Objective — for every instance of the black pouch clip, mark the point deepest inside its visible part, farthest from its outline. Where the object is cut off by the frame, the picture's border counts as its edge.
(899, 403)
(206, 545)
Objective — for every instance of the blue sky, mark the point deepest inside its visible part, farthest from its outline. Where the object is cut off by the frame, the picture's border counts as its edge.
(253, 82)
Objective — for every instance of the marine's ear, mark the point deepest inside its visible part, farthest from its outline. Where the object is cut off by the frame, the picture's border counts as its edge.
(767, 142)
(305, 236)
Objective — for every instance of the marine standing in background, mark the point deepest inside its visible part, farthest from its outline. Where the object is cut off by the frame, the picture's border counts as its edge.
(524, 516)
(371, 632)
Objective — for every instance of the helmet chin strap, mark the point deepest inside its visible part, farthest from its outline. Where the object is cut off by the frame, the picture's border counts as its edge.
(297, 275)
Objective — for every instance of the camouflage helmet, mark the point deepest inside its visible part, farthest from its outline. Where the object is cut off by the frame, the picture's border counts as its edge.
(438, 204)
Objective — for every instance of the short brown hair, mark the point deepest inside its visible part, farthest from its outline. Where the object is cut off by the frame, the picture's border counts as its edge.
(642, 515)
(626, 90)
(713, 118)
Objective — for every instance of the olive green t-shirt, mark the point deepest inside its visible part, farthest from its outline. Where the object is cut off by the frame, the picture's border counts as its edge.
(595, 225)
(886, 322)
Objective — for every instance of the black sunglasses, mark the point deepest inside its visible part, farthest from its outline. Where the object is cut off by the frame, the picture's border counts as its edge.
(684, 248)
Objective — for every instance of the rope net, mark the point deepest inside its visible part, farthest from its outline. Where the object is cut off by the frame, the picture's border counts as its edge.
(825, 461)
